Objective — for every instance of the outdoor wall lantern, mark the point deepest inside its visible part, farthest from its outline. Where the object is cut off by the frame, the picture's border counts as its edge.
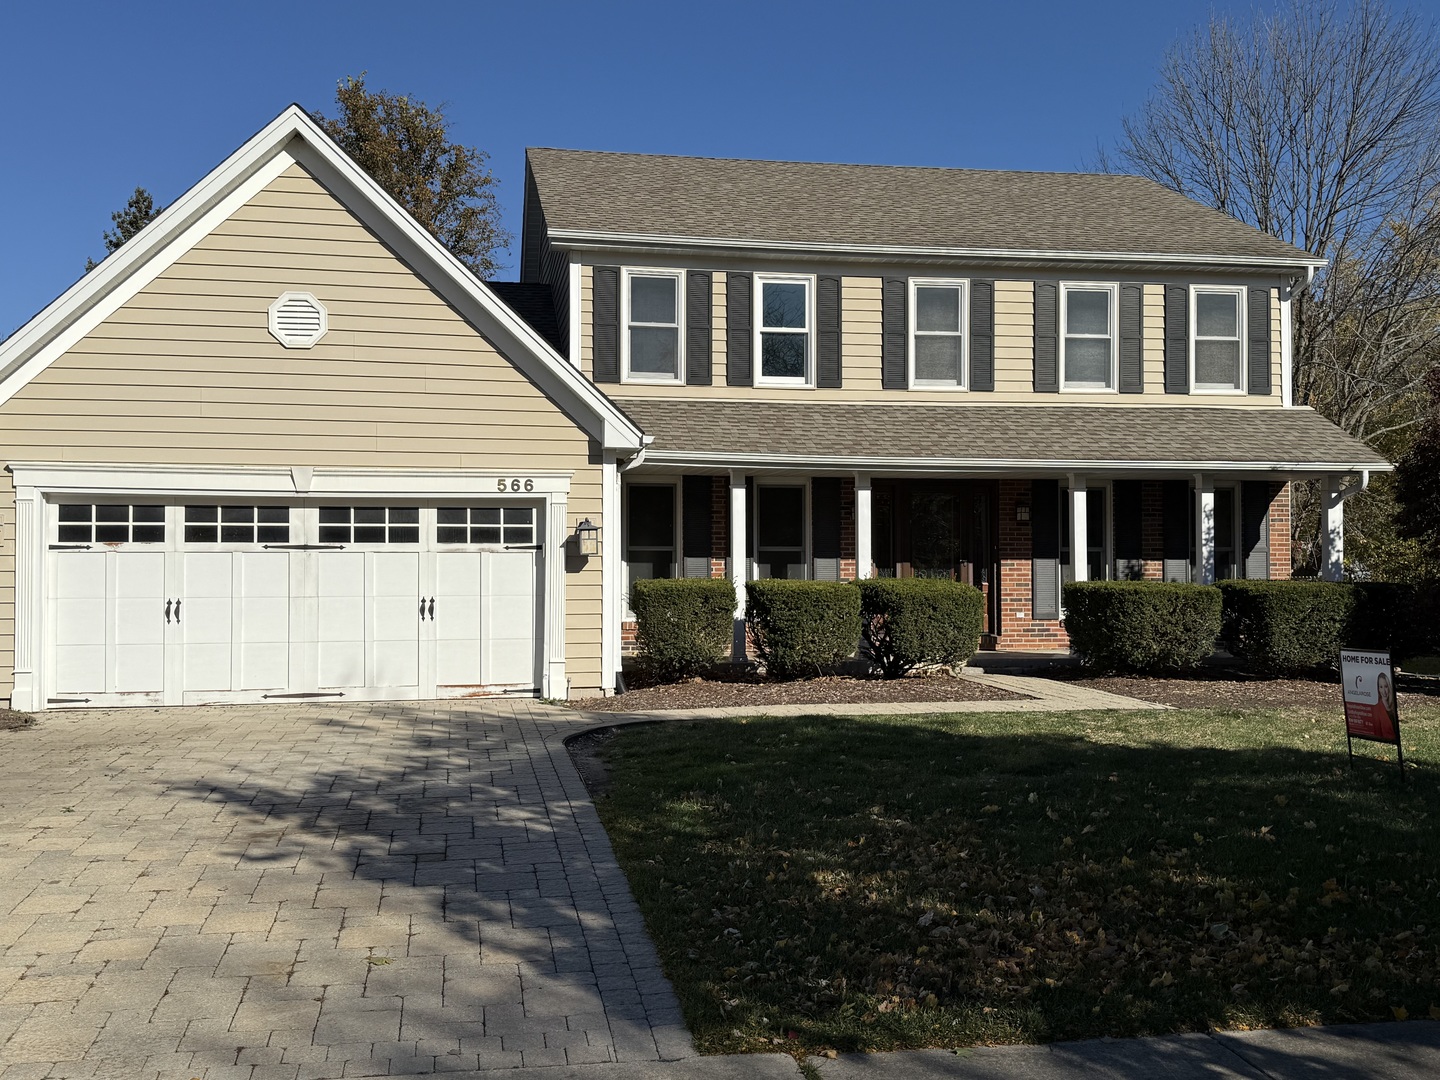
(587, 538)
(1022, 512)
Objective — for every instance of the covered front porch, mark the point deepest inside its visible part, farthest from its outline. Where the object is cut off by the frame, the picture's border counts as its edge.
(1013, 537)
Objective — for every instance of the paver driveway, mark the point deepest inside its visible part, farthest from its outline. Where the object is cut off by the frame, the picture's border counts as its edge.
(313, 890)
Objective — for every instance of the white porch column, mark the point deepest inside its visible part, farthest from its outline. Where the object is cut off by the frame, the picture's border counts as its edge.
(1332, 530)
(1079, 530)
(739, 564)
(864, 557)
(1204, 530)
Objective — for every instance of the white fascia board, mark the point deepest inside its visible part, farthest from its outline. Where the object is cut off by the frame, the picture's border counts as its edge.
(987, 466)
(578, 239)
(294, 137)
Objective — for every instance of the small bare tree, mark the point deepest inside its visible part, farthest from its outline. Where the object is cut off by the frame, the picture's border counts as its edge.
(1322, 127)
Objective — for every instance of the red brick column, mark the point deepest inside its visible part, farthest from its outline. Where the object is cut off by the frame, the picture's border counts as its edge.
(1280, 553)
(1018, 630)
(719, 526)
(1152, 530)
(847, 529)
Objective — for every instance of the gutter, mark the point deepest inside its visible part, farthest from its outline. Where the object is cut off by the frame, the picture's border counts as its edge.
(996, 465)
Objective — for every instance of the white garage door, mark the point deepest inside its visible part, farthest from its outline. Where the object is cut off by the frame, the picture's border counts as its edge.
(204, 603)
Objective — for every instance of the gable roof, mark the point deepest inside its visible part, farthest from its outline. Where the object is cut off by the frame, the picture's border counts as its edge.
(534, 302)
(651, 198)
(771, 434)
(293, 137)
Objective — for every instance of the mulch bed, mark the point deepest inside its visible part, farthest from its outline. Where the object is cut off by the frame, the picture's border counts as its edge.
(1225, 689)
(747, 690)
(14, 721)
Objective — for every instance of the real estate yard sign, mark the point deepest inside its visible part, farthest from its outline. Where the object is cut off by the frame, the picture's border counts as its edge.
(1371, 710)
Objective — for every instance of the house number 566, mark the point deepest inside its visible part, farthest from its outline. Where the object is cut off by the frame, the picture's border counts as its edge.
(516, 485)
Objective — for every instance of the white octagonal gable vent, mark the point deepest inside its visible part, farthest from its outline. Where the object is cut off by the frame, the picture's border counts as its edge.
(298, 320)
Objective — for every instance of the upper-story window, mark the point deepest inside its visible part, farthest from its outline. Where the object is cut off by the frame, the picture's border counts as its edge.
(784, 324)
(1087, 333)
(652, 325)
(1217, 337)
(937, 335)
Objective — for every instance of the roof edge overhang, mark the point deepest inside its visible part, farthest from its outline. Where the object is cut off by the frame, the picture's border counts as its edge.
(294, 135)
(600, 240)
(1000, 466)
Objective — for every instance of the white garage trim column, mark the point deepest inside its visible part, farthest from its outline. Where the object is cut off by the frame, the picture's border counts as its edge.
(29, 549)
(610, 587)
(557, 529)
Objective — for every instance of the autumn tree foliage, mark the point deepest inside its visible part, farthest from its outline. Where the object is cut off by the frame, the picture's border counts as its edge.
(406, 146)
(1417, 479)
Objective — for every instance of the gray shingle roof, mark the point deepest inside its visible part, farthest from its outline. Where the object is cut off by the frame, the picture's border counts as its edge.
(804, 203)
(1052, 435)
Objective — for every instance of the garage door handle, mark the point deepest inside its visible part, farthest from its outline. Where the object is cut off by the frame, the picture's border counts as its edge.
(432, 609)
(167, 612)
(177, 612)
(422, 609)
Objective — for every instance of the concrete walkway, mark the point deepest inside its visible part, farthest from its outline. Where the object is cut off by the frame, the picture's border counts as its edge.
(1041, 696)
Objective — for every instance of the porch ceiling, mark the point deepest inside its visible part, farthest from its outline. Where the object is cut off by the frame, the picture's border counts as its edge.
(995, 438)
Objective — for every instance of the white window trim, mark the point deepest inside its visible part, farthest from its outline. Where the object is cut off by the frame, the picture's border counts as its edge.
(627, 275)
(963, 284)
(1239, 292)
(1113, 288)
(758, 319)
(807, 553)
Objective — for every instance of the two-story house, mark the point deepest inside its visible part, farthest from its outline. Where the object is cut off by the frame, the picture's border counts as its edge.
(282, 445)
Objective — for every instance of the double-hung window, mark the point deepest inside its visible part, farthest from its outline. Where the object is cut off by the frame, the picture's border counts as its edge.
(780, 532)
(784, 325)
(937, 335)
(1217, 337)
(653, 341)
(1087, 334)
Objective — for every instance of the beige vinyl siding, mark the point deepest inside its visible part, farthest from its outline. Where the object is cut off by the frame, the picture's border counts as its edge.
(860, 300)
(718, 323)
(860, 337)
(1277, 388)
(1014, 340)
(587, 321)
(187, 373)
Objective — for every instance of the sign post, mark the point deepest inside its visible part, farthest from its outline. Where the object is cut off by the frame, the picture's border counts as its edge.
(1372, 710)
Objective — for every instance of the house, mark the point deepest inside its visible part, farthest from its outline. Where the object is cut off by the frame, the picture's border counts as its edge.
(282, 445)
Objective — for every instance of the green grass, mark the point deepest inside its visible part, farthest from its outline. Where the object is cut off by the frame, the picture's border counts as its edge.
(881, 883)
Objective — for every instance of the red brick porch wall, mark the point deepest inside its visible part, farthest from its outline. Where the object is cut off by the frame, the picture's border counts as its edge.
(1280, 552)
(1018, 630)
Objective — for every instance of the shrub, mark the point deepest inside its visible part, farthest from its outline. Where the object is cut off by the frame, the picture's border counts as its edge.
(1403, 618)
(684, 626)
(907, 622)
(1142, 626)
(1286, 627)
(802, 627)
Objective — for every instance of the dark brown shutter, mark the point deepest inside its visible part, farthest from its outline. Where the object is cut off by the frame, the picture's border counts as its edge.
(1047, 340)
(739, 370)
(894, 329)
(1259, 333)
(982, 335)
(698, 303)
(1129, 536)
(1175, 507)
(827, 319)
(1255, 528)
(1044, 549)
(695, 526)
(606, 287)
(825, 526)
(1132, 338)
(1177, 339)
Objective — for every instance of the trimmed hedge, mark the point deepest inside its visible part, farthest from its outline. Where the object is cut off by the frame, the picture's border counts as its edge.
(1287, 627)
(907, 622)
(1142, 626)
(683, 626)
(802, 628)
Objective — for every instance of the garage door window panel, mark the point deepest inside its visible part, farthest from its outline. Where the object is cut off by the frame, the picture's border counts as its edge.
(110, 523)
(509, 525)
(237, 525)
(369, 524)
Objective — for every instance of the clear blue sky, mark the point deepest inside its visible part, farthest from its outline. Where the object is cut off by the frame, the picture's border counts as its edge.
(101, 97)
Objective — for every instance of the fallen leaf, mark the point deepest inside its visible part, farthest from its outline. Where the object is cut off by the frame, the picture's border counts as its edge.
(1401, 1013)
(1281, 800)
(991, 809)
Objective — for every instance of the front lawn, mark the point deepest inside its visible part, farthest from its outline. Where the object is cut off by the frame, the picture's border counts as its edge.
(888, 882)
